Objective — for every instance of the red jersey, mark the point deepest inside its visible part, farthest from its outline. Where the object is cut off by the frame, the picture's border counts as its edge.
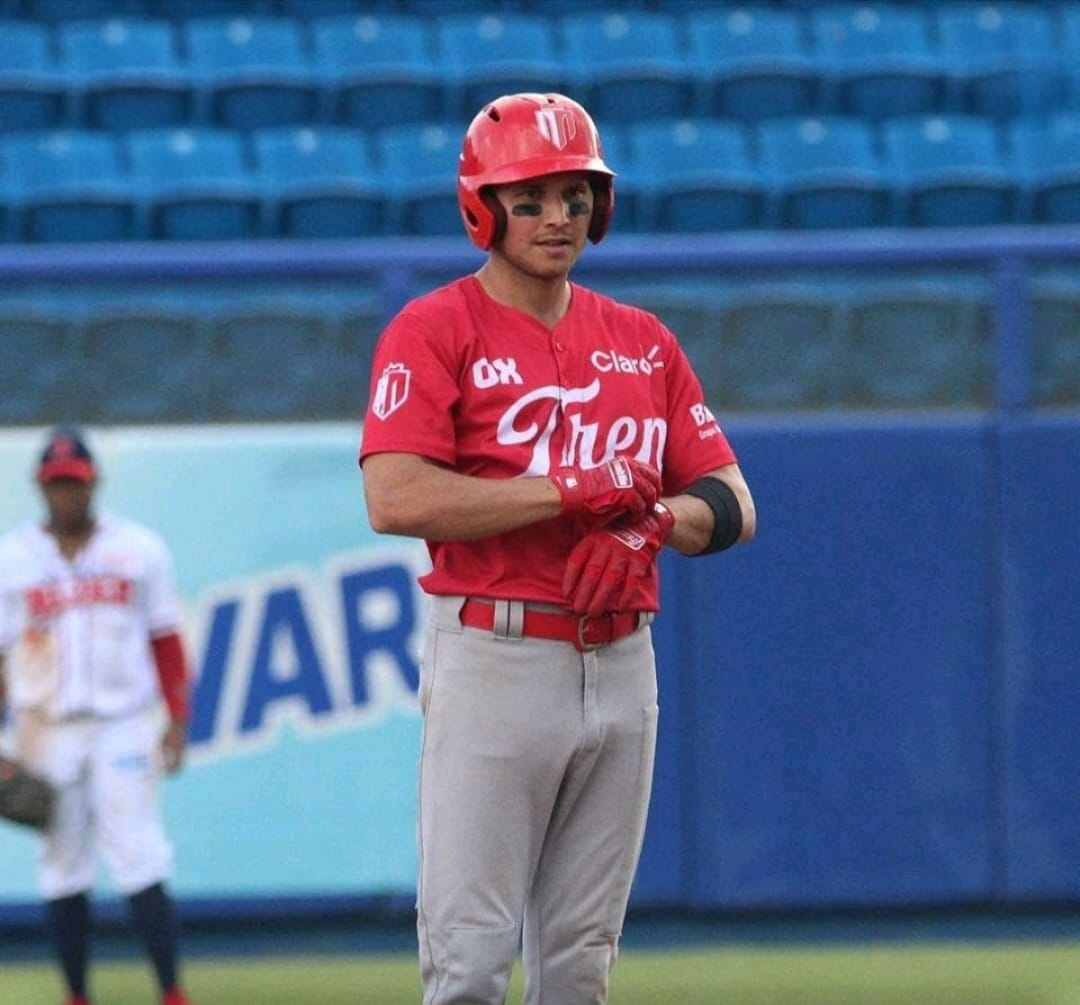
(491, 392)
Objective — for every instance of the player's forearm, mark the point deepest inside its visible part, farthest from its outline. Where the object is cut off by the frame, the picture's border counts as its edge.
(695, 522)
(427, 501)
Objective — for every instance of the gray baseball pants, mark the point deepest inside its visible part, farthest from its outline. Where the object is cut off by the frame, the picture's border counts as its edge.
(535, 775)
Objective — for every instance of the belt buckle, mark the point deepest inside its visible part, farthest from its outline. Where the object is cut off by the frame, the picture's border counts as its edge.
(587, 645)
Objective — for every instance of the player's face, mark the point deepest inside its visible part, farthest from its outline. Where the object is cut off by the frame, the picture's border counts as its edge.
(547, 223)
(68, 501)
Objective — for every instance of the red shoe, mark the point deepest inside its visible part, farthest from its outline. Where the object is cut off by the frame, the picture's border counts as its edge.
(75, 1000)
(174, 996)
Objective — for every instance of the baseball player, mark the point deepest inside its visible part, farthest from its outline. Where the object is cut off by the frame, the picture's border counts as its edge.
(89, 648)
(546, 442)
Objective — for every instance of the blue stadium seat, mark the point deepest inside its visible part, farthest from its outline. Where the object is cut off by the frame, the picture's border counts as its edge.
(377, 71)
(486, 55)
(437, 8)
(418, 163)
(1055, 339)
(125, 344)
(125, 74)
(1045, 155)
(770, 346)
(615, 143)
(308, 10)
(558, 8)
(627, 65)
(695, 175)
(876, 60)
(43, 372)
(184, 10)
(1069, 13)
(58, 11)
(751, 62)
(9, 217)
(949, 171)
(194, 184)
(33, 93)
(252, 72)
(1000, 59)
(319, 182)
(249, 341)
(917, 343)
(823, 173)
(354, 322)
(69, 186)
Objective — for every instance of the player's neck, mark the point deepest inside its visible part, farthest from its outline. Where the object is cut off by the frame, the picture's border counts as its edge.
(547, 300)
(71, 537)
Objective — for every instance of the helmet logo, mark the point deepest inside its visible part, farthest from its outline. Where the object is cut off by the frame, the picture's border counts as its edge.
(556, 125)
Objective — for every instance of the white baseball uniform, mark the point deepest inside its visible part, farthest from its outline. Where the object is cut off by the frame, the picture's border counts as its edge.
(84, 692)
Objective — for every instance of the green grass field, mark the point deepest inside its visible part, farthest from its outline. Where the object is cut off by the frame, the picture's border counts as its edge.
(938, 974)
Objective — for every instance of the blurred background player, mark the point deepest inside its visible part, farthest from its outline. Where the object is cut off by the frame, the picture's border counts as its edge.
(526, 428)
(90, 645)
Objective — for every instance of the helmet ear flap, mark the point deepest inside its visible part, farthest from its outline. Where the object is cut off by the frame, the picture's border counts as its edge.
(498, 214)
(603, 206)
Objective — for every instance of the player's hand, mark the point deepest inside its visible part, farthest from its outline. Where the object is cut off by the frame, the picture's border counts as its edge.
(174, 745)
(605, 565)
(620, 487)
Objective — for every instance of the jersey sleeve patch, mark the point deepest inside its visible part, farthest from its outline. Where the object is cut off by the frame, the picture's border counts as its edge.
(391, 390)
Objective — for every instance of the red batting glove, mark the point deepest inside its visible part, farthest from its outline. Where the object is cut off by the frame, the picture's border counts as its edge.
(621, 487)
(602, 569)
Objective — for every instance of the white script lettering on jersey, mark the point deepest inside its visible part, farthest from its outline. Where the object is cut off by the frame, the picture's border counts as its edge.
(644, 439)
(610, 361)
(392, 390)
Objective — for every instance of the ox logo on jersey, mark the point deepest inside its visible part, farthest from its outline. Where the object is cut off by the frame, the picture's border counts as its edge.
(490, 373)
(392, 390)
(556, 125)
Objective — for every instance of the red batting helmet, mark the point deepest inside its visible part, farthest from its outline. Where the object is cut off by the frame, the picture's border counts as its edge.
(523, 136)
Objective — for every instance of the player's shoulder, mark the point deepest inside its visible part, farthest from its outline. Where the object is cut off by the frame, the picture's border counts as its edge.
(616, 315)
(18, 541)
(593, 300)
(132, 534)
(433, 305)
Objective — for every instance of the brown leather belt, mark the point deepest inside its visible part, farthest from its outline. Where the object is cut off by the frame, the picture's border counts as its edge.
(581, 631)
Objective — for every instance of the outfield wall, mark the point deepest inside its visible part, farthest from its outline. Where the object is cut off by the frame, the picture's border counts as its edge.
(874, 704)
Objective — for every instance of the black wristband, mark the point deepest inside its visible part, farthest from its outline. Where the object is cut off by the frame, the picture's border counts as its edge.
(727, 513)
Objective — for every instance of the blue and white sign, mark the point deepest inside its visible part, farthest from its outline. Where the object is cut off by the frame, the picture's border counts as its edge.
(303, 628)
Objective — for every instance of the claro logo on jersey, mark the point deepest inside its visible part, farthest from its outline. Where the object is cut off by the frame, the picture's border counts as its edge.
(49, 601)
(392, 390)
(610, 361)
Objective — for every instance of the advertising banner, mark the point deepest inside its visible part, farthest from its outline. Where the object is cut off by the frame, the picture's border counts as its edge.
(303, 628)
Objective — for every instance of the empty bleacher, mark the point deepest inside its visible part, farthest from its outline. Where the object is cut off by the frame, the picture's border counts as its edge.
(936, 89)
(306, 120)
